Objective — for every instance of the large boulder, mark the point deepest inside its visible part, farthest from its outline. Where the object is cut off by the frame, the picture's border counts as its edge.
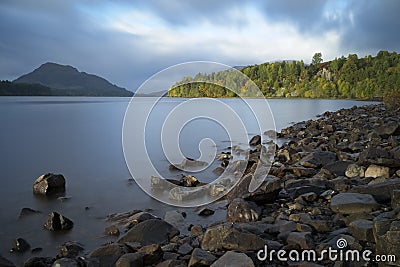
(349, 203)
(318, 159)
(201, 258)
(108, 255)
(130, 259)
(387, 236)
(49, 184)
(225, 236)
(362, 230)
(57, 222)
(240, 210)
(377, 156)
(382, 192)
(231, 258)
(376, 171)
(153, 231)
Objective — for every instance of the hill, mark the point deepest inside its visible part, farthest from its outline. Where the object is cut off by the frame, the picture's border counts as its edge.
(66, 80)
(350, 77)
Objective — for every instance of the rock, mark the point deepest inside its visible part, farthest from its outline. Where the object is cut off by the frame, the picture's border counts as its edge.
(70, 250)
(266, 193)
(191, 165)
(36, 250)
(231, 258)
(338, 167)
(111, 230)
(225, 236)
(185, 249)
(353, 170)
(66, 262)
(177, 220)
(255, 140)
(377, 156)
(271, 134)
(25, 212)
(382, 192)
(5, 263)
(137, 218)
(205, 212)
(108, 254)
(362, 230)
(189, 181)
(196, 230)
(20, 245)
(130, 260)
(375, 171)
(395, 199)
(387, 129)
(303, 240)
(152, 231)
(39, 262)
(171, 263)
(224, 155)
(240, 210)
(318, 159)
(49, 184)
(387, 237)
(201, 258)
(152, 254)
(349, 203)
(57, 222)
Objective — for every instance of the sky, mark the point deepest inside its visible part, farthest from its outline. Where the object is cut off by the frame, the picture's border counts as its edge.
(126, 42)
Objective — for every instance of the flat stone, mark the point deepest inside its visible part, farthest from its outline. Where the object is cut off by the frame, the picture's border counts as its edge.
(348, 203)
(362, 230)
(201, 258)
(231, 258)
(375, 171)
(152, 231)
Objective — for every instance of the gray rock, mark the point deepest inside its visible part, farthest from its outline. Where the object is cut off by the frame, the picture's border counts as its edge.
(231, 258)
(348, 203)
(240, 210)
(201, 258)
(375, 171)
(130, 260)
(70, 250)
(318, 159)
(387, 129)
(382, 192)
(338, 167)
(49, 184)
(177, 220)
(57, 222)
(152, 231)
(185, 249)
(171, 263)
(255, 140)
(303, 240)
(225, 236)
(25, 212)
(395, 199)
(5, 262)
(108, 254)
(353, 170)
(152, 254)
(387, 237)
(39, 262)
(362, 230)
(378, 156)
(66, 262)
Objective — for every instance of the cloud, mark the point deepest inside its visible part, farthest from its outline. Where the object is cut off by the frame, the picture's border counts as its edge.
(128, 41)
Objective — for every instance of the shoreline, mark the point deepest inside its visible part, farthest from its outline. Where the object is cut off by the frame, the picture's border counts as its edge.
(337, 177)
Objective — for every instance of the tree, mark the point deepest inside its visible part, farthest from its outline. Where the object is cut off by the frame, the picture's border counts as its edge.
(317, 59)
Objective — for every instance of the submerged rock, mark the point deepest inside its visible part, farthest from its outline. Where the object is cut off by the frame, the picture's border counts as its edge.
(57, 222)
(49, 184)
(20, 245)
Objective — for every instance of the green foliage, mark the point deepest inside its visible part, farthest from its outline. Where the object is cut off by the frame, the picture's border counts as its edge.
(8, 88)
(345, 77)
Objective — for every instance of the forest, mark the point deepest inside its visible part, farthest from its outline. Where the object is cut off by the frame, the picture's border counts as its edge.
(351, 77)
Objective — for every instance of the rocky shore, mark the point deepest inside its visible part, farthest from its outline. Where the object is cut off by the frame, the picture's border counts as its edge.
(334, 183)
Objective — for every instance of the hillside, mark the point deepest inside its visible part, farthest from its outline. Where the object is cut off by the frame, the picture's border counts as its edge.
(344, 77)
(68, 81)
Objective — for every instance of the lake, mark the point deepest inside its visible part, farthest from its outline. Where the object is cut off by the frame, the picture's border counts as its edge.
(81, 138)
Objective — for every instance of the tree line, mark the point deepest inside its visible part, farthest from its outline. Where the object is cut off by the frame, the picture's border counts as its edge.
(348, 77)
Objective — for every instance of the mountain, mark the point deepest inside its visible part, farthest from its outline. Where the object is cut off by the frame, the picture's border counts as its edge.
(68, 81)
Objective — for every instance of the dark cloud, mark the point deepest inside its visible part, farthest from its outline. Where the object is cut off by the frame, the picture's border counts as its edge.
(375, 26)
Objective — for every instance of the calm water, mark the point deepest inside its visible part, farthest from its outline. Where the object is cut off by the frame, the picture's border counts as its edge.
(80, 137)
